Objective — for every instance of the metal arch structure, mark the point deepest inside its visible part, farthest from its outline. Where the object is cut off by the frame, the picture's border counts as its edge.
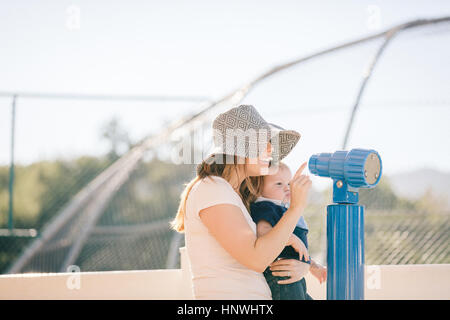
(11, 231)
(96, 194)
(387, 39)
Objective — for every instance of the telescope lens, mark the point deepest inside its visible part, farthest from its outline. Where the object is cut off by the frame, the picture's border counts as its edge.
(372, 168)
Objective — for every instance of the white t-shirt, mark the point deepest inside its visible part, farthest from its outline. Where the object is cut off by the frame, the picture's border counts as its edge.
(215, 273)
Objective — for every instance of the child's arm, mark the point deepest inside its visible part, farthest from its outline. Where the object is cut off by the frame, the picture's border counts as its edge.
(262, 227)
(318, 271)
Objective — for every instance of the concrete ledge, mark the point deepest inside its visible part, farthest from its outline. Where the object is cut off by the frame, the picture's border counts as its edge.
(155, 284)
(388, 282)
(397, 282)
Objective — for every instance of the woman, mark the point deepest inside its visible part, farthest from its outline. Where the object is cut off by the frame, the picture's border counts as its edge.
(227, 258)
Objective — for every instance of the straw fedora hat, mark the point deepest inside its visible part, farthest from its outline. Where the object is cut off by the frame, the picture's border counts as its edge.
(243, 132)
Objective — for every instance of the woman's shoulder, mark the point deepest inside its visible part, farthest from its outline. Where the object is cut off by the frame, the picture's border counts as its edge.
(212, 186)
(215, 179)
(213, 182)
(210, 191)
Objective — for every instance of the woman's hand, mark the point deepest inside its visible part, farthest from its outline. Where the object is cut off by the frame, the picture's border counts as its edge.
(299, 246)
(299, 187)
(292, 268)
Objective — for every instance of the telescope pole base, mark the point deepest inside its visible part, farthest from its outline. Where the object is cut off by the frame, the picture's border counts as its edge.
(345, 252)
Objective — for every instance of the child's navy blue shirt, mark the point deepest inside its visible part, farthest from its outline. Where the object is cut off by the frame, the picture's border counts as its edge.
(272, 213)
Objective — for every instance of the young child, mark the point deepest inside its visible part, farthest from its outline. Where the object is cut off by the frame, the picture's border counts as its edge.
(266, 211)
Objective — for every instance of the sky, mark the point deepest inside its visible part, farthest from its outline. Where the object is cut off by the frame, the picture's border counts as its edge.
(209, 48)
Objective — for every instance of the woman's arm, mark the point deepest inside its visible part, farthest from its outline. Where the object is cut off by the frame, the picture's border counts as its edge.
(318, 271)
(292, 268)
(262, 227)
(229, 227)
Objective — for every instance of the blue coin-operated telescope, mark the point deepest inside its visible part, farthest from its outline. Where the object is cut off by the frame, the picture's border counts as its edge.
(350, 170)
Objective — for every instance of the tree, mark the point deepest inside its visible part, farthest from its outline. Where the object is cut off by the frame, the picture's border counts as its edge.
(117, 137)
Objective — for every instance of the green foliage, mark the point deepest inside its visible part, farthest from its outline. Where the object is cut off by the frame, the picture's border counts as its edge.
(380, 197)
(42, 188)
(430, 203)
(151, 193)
(40, 191)
(399, 237)
(397, 230)
(117, 137)
(383, 197)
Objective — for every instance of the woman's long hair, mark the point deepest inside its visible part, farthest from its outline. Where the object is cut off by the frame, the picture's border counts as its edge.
(249, 189)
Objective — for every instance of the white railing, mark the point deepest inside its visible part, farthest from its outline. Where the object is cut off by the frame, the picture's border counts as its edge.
(382, 282)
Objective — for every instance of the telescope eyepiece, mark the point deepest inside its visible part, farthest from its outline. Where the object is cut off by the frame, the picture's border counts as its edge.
(359, 168)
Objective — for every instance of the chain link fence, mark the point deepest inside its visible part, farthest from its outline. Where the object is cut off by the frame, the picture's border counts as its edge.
(113, 213)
